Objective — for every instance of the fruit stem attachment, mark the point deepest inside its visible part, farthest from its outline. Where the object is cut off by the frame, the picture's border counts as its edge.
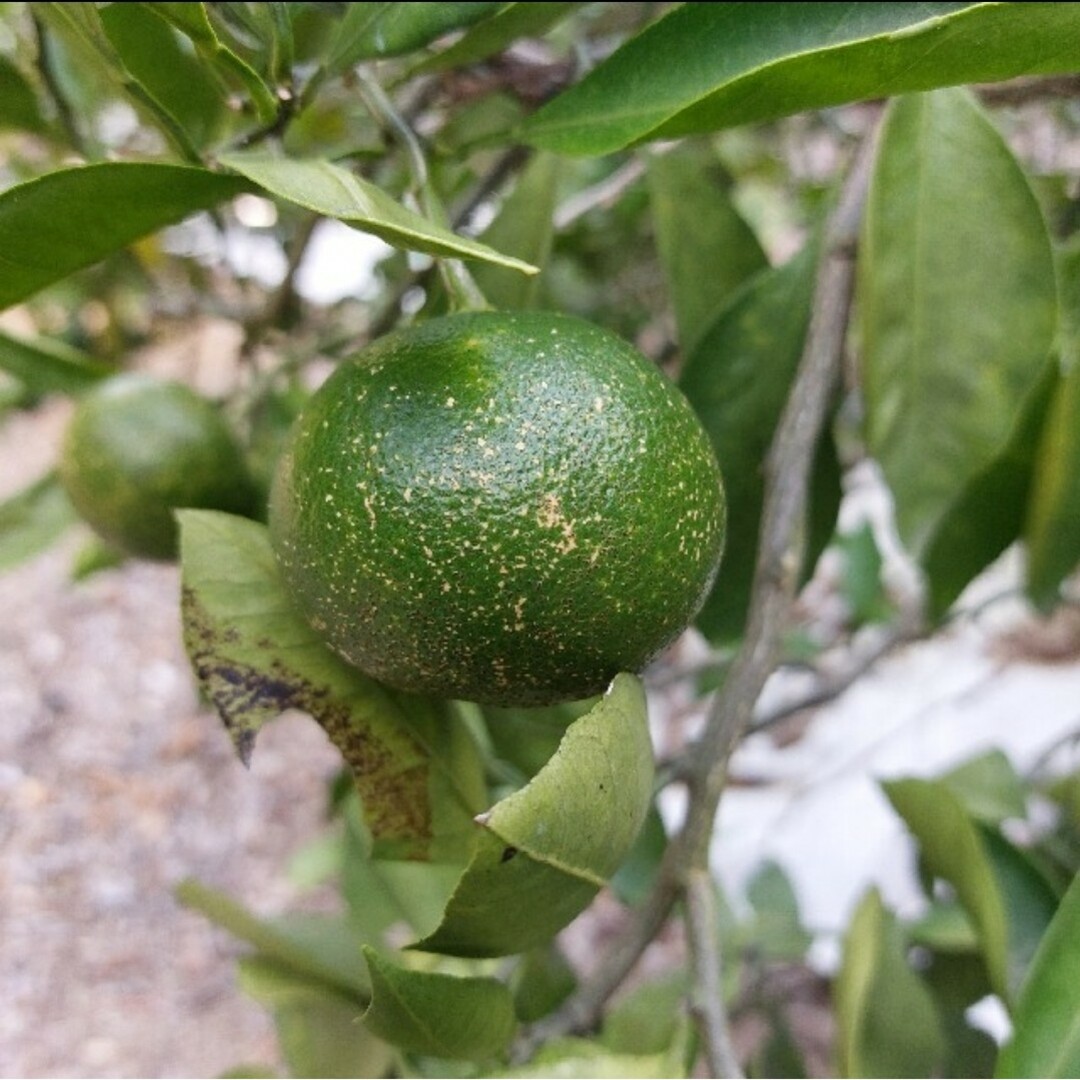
(464, 293)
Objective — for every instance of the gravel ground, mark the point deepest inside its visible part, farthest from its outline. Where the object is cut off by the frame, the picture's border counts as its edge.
(114, 786)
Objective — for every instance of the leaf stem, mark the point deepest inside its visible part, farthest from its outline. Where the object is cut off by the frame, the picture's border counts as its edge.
(465, 294)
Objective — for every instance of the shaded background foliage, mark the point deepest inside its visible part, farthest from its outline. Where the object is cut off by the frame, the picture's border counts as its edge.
(669, 171)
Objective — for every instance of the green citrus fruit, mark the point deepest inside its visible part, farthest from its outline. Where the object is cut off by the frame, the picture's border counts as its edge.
(136, 449)
(503, 508)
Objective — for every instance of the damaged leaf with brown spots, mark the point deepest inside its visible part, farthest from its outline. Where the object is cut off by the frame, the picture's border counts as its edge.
(416, 767)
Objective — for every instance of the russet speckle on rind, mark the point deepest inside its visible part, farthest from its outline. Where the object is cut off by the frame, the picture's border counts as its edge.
(505, 508)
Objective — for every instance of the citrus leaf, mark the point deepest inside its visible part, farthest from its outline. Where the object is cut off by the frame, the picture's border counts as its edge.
(19, 108)
(193, 20)
(876, 987)
(958, 303)
(494, 34)
(1052, 529)
(152, 53)
(989, 787)
(45, 366)
(1008, 901)
(447, 1016)
(83, 25)
(697, 227)
(335, 192)
(522, 228)
(337, 969)
(989, 514)
(317, 1031)
(32, 520)
(65, 220)
(534, 867)
(776, 931)
(737, 380)
(712, 66)
(1046, 1021)
(415, 766)
(526, 738)
(383, 893)
(541, 982)
(577, 1059)
(367, 31)
(646, 1019)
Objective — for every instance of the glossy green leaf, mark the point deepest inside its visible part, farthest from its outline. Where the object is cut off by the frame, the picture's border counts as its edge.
(706, 248)
(19, 108)
(633, 881)
(574, 1057)
(1052, 529)
(534, 867)
(193, 20)
(1029, 897)
(83, 25)
(416, 768)
(989, 514)
(318, 1032)
(372, 30)
(944, 927)
(581, 1059)
(1008, 901)
(776, 930)
(66, 220)
(646, 1018)
(447, 1016)
(861, 586)
(885, 1015)
(328, 958)
(989, 787)
(335, 192)
(737, 380)
(1067, 263)
(710, 66)
(526, 738)
(957, 981)
(382, 894)
(45, 366)
(522, 228)
(512, 22)
(33, 520)
(1046, 1021)
(177, 79)
(957, 299)
(93, 557)
(541, 982)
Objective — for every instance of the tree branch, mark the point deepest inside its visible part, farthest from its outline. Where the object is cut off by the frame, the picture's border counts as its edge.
(775, 580)
(782, 525)
(707, 998)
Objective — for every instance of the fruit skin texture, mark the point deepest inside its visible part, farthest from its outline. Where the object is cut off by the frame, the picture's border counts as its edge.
(137, 448)
(502, 508)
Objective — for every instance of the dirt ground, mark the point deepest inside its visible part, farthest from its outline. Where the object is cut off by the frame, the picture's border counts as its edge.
(114, 786)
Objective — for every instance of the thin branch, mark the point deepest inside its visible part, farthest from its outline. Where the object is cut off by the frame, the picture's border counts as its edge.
(1027, 90)
(830, 685)
(707, 1001)
(54, 89)
(463, 290)
(508, 163)
(782, 526)
(603, 194)
(283, 296)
